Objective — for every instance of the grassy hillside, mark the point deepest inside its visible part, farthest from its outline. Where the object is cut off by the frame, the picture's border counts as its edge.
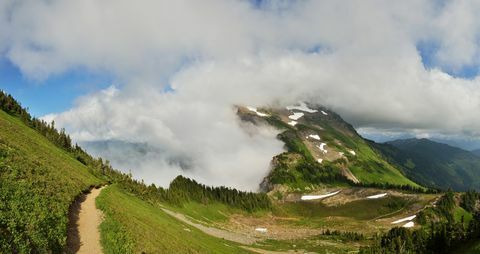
(135, 226)
(476, 152)
(449, 226)
(435, 164)
(345, 157)
(38, 182)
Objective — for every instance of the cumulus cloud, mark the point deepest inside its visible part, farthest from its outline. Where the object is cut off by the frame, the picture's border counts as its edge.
(163, 135)
(180, 66)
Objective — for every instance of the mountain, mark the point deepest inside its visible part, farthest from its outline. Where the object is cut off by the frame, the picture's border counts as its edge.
(331, 191)
(321, 149)
(476, 152)
(42, 181)
(435, 164)
(38, 182)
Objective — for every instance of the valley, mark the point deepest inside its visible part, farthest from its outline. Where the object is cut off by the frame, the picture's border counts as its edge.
(330, 191)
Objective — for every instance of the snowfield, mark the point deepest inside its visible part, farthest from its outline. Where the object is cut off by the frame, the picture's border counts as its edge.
(405, 219)
(296, 116)
(314, 137)
(409, 224)
(302, 107)
(253, 109)
(261, 230)
(322, 147)
(325, 113)
(313, 197)
(292, 123)
(377, 196)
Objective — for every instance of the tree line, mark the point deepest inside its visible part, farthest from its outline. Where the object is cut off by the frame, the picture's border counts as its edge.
(181, 189)
(439, 237)
(440, 234)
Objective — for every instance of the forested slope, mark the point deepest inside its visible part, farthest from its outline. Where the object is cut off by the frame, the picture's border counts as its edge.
(434, 164)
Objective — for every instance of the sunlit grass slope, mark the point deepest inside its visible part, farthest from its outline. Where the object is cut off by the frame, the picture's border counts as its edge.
(38, 182)
(132, 225)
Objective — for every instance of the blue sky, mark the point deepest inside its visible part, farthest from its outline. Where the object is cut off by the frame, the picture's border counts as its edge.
(55, 94)
(427, 51)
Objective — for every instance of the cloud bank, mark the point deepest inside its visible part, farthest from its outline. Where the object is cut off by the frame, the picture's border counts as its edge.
(180, 66)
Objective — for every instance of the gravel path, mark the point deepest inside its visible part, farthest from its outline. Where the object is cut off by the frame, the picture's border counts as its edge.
(83, 232)
(216, 232)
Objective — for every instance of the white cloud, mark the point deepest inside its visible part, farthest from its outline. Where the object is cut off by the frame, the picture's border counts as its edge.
(359, 58)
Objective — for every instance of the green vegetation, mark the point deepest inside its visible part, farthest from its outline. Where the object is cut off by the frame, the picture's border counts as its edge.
(334, 242)
(447, 229)
(146, 228)
(439, 238)
(359, 209)
(469, 200)
(297, 172)
(41, 173)
(294, 144)
(38, 182)
(434, 164)
(298, 168)
(443, 211)
(183, 190)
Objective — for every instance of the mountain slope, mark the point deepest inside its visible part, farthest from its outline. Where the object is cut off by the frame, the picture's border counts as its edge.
(435, 164)
(135, 226)
(322, 148)
(38, 182)
(476, 152)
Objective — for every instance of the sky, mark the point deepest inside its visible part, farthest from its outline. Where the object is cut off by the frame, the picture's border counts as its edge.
(164, 76)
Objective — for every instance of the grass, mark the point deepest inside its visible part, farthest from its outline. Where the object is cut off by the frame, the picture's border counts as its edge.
(38, 182)
(212, 212)
(367, 165)
(318, 244)
(359, 209)
(146, 228)
(459, 212)
(470, 248)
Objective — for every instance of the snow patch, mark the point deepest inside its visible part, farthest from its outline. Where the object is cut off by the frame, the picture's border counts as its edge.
(253, 109)
(409, 224)
(325, 113)
(302, 107)
(322, 147)
(261, 230)
(313, 197)
(405, 219)
(352, 152)
(292, 123)
(314, 137)
(296, 116)
(377, 196)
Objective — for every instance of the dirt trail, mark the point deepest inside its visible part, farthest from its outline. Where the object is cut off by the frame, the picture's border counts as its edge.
(83, 232)
(216, 232)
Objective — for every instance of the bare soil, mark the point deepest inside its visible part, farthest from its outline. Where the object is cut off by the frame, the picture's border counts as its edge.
(85, 218)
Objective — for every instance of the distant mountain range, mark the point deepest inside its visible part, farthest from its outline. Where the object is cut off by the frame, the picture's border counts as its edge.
(434, 164)
(476, 152)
